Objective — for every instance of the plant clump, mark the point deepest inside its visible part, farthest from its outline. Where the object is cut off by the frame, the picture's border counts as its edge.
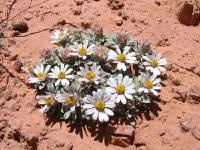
(95, 76)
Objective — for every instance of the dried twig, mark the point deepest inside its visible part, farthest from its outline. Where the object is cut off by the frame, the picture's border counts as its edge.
(28, 8)
(12, 75)
(34, 32)
(9, 11)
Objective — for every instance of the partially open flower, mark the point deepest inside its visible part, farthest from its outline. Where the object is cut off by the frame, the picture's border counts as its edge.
(45, 53)
(121, 38)
(46, 101)
(101, 51)
(59, 36)
(68, 99)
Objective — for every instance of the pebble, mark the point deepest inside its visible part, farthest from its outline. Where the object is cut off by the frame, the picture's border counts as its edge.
(118, 21)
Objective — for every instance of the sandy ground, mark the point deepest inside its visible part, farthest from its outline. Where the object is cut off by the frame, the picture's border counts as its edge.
(173, 123)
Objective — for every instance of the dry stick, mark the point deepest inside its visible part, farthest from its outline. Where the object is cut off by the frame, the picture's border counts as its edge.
(43, 30)
(11, 74)
(33, 32)
(28, 8)
(9, 11)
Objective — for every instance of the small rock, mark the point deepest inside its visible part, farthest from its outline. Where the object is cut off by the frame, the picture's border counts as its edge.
(157, 2)
(133, 19)
(23, 94)
(76, 10)
(20, 26)
(7, 96)
(15, 34)
(163, 42)
(61, 21)
(60, 144)
(15, 106)
(122, 130)
(13, 57)
(124, 15)
(44, 131)
(194, 94)
(120, 141)
(32, 141)
(79, 2)
(116, 4)
(185, 123)
(189, 12)
(181, 95)
(28, 16)
(196, 70)
(86, 24)
(3, 124)
(18, 65)
(118, 21)
(69, 146)
(13, 95)
(176, 82)
(196, 132)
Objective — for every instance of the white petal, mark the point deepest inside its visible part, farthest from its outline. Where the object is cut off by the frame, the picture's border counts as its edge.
(86, 106)
(95, 115)
(129, 96)
(90, 111)
(109, 112)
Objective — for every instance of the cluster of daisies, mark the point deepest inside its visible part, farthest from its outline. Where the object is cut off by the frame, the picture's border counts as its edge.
(95, 76)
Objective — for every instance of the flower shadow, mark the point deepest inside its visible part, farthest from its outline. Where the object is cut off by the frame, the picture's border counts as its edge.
(149, 110)
(96, 130)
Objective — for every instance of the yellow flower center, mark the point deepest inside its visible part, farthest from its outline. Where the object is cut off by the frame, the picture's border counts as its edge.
(148, 84)
(70, 101)
(49, 101)
(61, 75)
(61, 34)
(29, 68)
(90, 75)
(154, 63)
(100, 105)
(40, 75)
(121, 57)
(120, 89)
(82, 51)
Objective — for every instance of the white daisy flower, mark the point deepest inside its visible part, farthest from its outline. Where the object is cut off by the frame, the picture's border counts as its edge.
(39, 74)
(58, 36)
(120, 88)
(122, 58)
(82, 50)
(150, 84)
(46, 101)
(62, 74)
(155, 63)
(69, 99)
(89, 74)
(99, 105)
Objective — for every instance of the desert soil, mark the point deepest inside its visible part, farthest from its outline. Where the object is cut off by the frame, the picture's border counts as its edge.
(172, 123)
